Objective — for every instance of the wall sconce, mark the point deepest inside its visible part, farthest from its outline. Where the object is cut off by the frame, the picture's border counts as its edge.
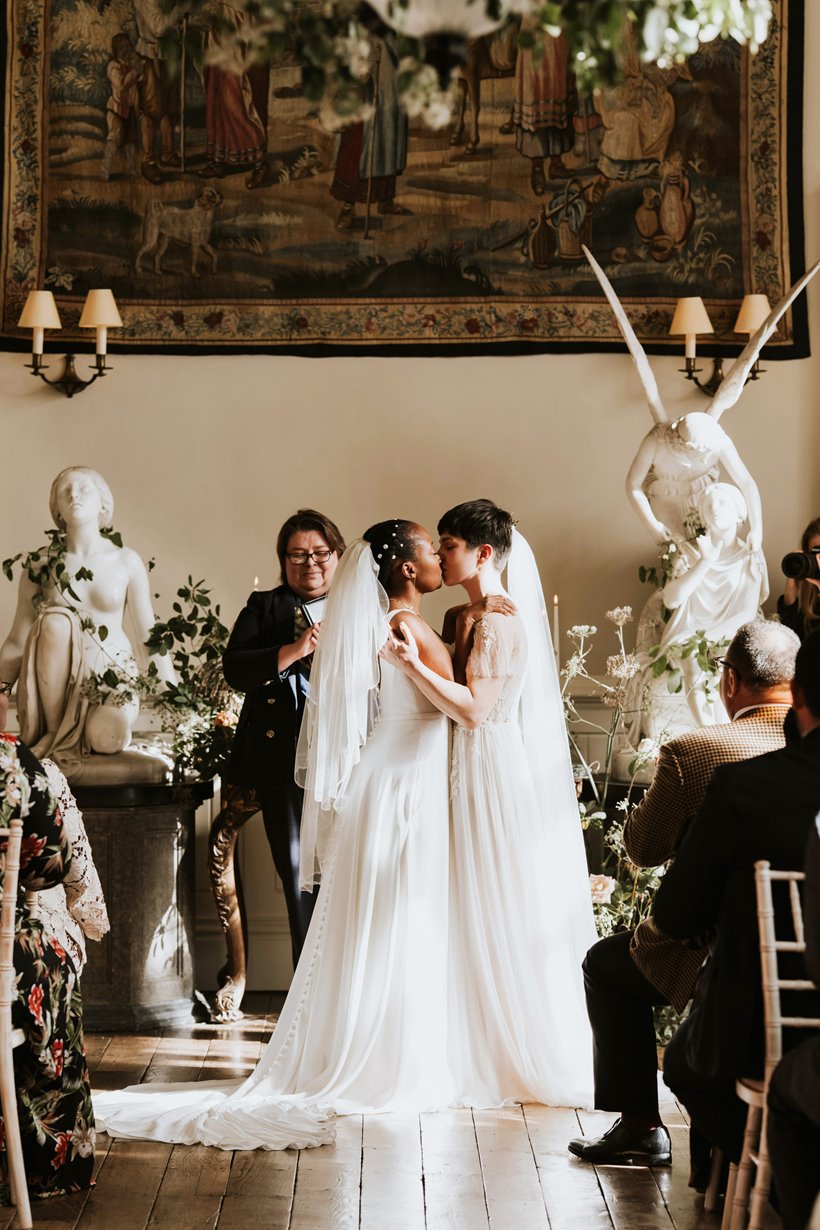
(691, 318)
(100, 312)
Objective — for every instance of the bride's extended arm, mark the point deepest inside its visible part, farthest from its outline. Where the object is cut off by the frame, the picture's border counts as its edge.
(466, 704)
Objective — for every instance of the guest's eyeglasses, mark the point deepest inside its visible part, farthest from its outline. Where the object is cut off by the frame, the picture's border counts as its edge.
(725, 664)
(301, 557)
(6, 689)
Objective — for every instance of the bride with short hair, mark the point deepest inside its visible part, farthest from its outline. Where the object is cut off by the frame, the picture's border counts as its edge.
(520, 907)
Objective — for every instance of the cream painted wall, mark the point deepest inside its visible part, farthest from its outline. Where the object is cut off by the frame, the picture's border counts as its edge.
(206, 456)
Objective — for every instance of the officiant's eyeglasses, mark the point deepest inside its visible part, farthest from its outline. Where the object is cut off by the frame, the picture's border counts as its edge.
(301, 557)
(6, 689)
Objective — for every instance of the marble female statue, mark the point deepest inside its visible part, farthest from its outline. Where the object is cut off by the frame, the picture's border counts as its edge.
(674, 465)
(673, 485)
(677, 460)
(58, 641)
(721, 589)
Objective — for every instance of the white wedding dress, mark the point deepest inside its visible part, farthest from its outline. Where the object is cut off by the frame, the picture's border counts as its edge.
(520, 911)
(443, 963)
(364, 1026)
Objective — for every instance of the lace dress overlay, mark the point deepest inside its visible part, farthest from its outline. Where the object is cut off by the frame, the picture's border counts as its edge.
(512, 948)
(74, 908)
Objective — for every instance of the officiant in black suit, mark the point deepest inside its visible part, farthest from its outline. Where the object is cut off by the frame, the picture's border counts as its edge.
(268, 658)
(762, 808)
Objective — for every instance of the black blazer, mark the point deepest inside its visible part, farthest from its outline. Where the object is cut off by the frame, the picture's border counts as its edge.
(762, 808)
(268, 728)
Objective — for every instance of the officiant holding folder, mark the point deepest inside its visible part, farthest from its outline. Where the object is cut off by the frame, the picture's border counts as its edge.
(268, 658)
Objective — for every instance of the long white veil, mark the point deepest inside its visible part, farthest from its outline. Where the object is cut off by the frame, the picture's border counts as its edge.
(545, 739)
(342, 703)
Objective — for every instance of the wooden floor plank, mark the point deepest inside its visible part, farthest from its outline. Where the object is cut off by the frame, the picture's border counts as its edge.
(571, 1189)
(125, 1060)
(95, 1047)
(196, 1170)
(328, 1181)
(127, 1187)
(253, 1213)
(178, 1057)
(455, 1170)
(684, 1204)
(231, 1057)
(631, 1193)
(453, 1183)
(511, 1184)
(192, 1188)
(392, 1187)
(259, 1191)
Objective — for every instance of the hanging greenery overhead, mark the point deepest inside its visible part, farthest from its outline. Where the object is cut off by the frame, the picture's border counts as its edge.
(330, 39)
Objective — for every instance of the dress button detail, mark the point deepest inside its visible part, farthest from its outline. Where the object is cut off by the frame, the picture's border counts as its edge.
(269, 734)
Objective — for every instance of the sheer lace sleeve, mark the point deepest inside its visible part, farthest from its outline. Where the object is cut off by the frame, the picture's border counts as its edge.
(498, 648)
(83, 891)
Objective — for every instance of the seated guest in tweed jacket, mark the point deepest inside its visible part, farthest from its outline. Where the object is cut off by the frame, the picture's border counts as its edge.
(628, 973)
(763, 808)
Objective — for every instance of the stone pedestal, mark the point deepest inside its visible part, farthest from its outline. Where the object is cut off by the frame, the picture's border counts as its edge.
(141, 976)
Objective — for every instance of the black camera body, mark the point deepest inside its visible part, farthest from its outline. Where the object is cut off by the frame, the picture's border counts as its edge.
(801, 564)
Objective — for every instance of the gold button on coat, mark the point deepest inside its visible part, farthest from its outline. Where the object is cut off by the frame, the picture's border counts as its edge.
(269, 734)
(271, 700)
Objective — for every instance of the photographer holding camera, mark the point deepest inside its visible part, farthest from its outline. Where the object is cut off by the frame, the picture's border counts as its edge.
(268, 658)
(799, 605)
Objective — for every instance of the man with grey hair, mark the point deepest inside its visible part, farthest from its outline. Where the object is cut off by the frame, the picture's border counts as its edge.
(629, 973)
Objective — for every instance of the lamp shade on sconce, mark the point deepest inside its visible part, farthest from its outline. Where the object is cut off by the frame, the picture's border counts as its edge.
(40, 312)
(100, 312)
(690, 319)
(100, 308)
(753, 311)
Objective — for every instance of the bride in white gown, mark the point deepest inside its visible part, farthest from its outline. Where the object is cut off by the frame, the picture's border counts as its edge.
(364, 1026)
(520, 908)
(380, 1015)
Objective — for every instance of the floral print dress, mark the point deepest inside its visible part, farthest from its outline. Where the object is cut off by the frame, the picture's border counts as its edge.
(53, 1087)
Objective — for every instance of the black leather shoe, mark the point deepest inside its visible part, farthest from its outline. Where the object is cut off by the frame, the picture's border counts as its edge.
(622, 1146)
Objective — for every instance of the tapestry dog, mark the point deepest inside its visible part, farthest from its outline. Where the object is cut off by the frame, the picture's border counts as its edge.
(191, 227)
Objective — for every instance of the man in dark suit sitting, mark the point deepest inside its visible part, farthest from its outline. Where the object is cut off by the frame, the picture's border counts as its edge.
(628, 973)
(760, 809)
(794, 1092)
(268, 658)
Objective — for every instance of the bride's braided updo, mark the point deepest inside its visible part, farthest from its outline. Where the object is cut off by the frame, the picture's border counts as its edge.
(392, 544)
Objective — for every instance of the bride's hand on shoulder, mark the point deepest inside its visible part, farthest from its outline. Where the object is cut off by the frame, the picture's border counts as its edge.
(401, 648)
(490, 604)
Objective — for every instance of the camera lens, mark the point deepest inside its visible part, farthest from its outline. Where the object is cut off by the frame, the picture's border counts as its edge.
(795, 565)
(800, 564)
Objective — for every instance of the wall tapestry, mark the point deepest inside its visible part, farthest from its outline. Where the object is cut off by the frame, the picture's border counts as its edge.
(224, 214)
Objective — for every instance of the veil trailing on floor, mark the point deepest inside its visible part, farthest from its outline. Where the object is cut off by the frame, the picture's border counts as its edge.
(545, 739)
(343, 701)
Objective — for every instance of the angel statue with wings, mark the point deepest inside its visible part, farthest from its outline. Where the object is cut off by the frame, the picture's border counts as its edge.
(711, 528)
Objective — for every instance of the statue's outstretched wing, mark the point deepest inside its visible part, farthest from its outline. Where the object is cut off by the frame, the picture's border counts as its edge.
(732, 385)
(635, 348)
